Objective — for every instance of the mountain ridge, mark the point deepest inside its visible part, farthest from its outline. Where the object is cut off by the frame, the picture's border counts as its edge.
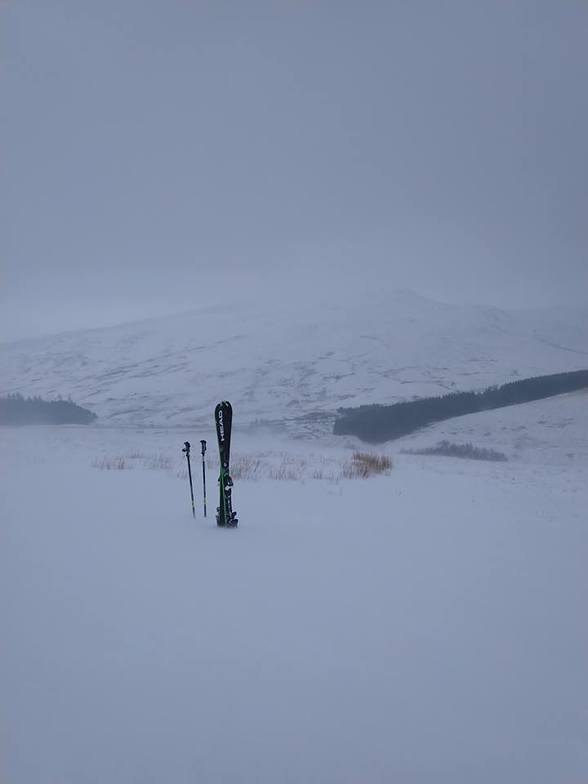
(293, 361)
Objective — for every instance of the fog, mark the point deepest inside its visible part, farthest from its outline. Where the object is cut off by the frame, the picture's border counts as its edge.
(157, 156)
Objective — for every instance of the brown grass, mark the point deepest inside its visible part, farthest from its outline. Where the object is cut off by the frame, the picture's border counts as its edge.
(363, 465)
(247, 467)
(158, 462)
(279, 466)
(155, 462)
(110, 464)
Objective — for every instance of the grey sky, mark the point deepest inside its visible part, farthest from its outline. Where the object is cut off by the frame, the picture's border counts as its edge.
(150, 147)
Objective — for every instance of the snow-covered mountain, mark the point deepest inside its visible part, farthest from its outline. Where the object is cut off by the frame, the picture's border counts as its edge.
(295, 363)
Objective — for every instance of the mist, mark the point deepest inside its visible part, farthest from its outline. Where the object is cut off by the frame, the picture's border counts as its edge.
(163, 156)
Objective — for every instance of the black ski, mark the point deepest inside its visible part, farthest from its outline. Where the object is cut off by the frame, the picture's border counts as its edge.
(223, 418)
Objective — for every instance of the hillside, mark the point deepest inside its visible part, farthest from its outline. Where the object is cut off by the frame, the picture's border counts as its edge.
(296, 363)
(545, 432)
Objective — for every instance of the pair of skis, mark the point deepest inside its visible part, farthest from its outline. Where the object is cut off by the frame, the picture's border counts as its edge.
(223, 418)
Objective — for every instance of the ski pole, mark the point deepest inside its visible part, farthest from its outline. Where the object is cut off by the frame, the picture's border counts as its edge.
(186, 451)
(203, 445)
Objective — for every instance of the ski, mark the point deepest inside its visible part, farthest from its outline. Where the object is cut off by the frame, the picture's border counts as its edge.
(223, 418)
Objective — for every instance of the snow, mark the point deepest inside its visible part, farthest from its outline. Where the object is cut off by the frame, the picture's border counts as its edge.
(293, 364)
(417, 627)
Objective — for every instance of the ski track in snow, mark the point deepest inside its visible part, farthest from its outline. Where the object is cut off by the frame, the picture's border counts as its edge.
(421, 627)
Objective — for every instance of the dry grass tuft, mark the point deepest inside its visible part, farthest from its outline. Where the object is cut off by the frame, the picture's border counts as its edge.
(247, 467)
(363, 465)
(465, 451)
(158, 462)
(110, 464)
(155, 462)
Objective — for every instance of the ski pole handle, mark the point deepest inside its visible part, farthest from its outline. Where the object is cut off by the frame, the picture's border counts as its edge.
(186, 451)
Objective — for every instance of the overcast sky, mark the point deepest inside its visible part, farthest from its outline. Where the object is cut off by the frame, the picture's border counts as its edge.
(153, 151)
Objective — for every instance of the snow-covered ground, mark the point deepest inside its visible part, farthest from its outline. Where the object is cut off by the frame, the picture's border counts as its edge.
(423, 626)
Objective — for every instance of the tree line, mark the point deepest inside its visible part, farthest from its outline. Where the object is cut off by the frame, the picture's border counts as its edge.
(378, 423)
(18, 410)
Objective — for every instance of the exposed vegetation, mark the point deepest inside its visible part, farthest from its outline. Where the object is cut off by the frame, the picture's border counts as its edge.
(466, 451)
(247, 467)
(378, 423)
(155, 462)
(111, 464)
(18, 410)
(278, 466)
(363, 465)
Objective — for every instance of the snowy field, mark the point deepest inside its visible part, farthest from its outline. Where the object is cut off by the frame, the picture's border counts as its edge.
(424, 626)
